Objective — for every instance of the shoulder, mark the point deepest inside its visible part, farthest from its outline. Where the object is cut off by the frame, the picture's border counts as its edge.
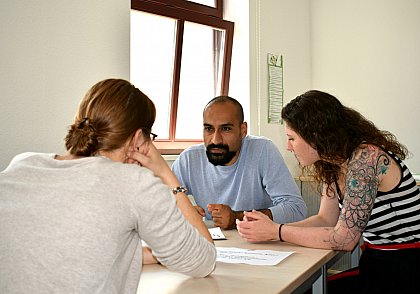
(130, 180)
(192, 155)
(368, 153)
(370, 157)
(194, 151)
(196, 147)
(33, 156)
(262, 145)
(258, 142)
(122, 170)
(28, 158)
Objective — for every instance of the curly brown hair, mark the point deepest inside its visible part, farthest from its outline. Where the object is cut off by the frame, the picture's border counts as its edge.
(335, 131)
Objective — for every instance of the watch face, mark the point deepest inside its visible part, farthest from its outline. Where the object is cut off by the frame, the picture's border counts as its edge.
(179, 190)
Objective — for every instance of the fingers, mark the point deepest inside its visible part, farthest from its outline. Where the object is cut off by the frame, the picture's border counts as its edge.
(148, 156)
(137, 157)
(219, 220)
(261, 230)
(200, 210)
(243, 225)
(245, 230)
(238, 224)
(223, 216)
(220, 214)
(214, 207)
(254, 215)
(219, 211)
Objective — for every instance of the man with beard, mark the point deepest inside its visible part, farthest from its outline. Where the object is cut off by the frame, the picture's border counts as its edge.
(233, 172)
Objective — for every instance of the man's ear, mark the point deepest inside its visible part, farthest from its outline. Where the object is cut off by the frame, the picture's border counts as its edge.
(244, 129)
(137, 140)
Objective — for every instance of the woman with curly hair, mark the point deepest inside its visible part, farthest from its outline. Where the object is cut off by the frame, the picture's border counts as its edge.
(366, 192)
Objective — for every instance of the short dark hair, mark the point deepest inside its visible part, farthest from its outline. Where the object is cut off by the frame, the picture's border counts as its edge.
(224, 99)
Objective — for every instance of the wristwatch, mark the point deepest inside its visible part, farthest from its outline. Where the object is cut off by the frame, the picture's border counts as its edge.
(179, 189)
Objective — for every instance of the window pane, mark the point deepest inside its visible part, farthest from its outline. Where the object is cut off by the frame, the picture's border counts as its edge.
(151, 64)
(211, 3)
(200, 77)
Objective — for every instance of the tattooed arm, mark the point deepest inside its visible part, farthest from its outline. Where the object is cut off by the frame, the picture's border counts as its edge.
(331, 228)
(365, 171)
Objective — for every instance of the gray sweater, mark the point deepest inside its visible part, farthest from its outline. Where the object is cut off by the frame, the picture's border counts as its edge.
(76, 226)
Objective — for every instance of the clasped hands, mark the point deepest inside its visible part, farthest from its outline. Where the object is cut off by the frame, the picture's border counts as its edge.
(223, 216)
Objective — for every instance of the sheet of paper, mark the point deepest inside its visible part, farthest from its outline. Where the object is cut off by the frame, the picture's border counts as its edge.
(248, 256)
(217, 234)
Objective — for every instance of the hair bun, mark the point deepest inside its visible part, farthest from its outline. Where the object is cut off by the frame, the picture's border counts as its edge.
(82, 138)
(85, 121)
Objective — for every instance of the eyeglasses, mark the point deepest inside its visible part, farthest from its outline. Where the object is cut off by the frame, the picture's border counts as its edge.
(153, 136)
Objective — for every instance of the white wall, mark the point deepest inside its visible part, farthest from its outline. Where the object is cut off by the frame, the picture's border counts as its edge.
(364, 52)
(367, 53)
(51, 52)
(280, 27)
(237, 11)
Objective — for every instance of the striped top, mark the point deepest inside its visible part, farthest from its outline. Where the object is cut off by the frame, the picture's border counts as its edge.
(395, 216)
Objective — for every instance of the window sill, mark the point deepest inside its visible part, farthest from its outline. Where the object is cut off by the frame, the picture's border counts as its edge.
(174, 148)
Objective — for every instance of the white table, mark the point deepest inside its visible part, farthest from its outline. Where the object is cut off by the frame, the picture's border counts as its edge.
(295, 274)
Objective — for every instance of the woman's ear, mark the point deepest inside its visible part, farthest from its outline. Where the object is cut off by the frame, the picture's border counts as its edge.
(138, 140)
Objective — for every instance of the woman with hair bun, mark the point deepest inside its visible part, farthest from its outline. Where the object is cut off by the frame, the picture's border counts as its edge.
(74, 223)
(367, 193)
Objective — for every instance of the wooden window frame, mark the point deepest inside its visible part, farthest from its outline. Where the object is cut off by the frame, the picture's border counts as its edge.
(182, 11)
(216, 11)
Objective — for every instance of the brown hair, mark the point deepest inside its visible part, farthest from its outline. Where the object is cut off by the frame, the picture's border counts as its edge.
(335, 131)
(109, 114)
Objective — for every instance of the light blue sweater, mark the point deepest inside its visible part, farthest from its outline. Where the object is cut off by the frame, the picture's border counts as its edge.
(259, 179)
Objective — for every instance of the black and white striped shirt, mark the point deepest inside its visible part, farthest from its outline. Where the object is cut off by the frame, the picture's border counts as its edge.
(395, 216)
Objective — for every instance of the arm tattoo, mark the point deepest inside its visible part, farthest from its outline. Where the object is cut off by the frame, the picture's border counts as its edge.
(362, 181)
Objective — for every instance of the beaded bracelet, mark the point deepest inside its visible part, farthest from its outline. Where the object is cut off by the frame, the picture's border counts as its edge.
(281, 240)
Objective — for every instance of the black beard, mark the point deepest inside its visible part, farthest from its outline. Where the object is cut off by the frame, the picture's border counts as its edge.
(220, 159)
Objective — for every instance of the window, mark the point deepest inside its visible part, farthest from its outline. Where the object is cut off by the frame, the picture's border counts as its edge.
(180, 57)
